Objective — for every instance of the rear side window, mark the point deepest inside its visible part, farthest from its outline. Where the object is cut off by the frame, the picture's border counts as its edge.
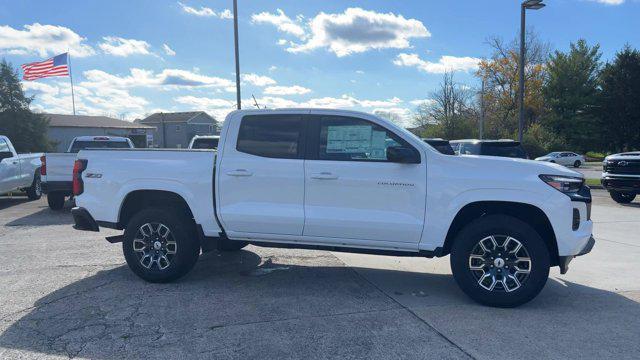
(273, 136)
(81, 145)
(504, 150)
(205, 143)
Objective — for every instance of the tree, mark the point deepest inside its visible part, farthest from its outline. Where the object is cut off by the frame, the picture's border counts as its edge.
(619, 103)
(571, 93)
(27, 130)
(449, 113)
(500, 73)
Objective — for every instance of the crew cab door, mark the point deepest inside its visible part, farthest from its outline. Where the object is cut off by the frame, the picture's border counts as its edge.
(353, 191)
(9, 168)
(261, 176)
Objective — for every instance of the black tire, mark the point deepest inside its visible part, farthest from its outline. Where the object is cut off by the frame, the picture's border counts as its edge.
(55, 200)
(34, 192)
(186, 250)
(622, 197)
(231, 245)
(468, 239)
(577, 164)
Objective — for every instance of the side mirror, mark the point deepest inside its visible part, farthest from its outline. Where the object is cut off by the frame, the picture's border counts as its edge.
(403, 155)
(5, 155)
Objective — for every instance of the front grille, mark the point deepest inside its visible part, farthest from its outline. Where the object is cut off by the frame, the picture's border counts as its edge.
(628, 167)
(576, 219)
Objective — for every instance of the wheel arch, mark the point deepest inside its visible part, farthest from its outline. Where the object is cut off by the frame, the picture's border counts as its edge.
(527, 213)
(137, 200)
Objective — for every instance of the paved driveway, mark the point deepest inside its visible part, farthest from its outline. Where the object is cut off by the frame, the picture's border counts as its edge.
(67, 293)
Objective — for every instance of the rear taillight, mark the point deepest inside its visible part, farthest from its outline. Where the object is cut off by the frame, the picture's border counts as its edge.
(78, 185)
(43, 167)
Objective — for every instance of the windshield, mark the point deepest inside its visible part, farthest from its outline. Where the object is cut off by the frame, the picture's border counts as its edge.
(97, 144)
(511, 150)
(205, 143)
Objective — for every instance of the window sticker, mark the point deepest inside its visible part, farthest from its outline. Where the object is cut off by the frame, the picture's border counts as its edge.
(349, 139)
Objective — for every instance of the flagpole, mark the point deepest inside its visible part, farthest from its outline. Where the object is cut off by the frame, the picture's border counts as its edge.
(73, 98)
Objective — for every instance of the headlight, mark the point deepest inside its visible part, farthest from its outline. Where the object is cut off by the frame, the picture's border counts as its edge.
(565, 184)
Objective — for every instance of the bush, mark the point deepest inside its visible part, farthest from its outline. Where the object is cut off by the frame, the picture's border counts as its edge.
(595, 156)
(538, 140)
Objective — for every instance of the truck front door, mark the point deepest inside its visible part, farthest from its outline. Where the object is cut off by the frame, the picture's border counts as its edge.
(354, 191)
(9, 168)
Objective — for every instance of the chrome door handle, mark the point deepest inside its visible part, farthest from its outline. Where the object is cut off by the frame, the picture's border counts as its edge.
(324, 176)
(239, 172)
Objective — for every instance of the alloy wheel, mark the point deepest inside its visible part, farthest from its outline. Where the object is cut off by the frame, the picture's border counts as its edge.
(155, 246)
(500, 263)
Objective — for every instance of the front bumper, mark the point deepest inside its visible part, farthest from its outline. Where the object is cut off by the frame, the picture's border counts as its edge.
(621, 184)
(565, 260)
(83, 220)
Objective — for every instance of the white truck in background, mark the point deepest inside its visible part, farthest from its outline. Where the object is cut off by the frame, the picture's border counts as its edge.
(340, 181)
(19, 172)
(209, 142)
(57, 168)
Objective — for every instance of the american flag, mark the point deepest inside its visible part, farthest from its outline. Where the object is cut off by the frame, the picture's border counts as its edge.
(55, 66)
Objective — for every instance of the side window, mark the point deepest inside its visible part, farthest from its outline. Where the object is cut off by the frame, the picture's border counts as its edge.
(4, 147)
(273, 136)
(351, 139)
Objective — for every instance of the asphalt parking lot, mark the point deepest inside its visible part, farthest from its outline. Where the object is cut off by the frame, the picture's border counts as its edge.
(66, 293)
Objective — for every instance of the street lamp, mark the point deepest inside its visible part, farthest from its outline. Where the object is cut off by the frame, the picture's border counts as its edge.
(235, 43)
(530, 5)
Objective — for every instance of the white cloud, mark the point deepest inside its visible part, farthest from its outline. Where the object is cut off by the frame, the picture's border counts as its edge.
(203, 102)
(358, 30)
(400, 116)
(359, 72)
(167, 50)
(118, 46)
(609, 2)
(286, 90)
(43, 40)
(281, 21)
(273, 68)
(204, 11)
(168, 78)
(446, 63)
(56, 98)
(257, 80)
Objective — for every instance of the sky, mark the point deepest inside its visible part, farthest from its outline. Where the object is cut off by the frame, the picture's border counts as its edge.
(135, 57)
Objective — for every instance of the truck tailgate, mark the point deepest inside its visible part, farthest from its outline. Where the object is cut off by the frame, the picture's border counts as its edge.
(59, 167)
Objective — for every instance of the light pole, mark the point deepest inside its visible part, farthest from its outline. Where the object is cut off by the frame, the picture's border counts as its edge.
(235, 40)
(531, 5)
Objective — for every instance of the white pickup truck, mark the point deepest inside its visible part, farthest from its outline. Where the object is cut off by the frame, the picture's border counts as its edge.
(19, 172)
(57, 168)
(340, 181)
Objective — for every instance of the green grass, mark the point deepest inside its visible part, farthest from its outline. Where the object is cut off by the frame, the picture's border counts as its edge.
(593, 182)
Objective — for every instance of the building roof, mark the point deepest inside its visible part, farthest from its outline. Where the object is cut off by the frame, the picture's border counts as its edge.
(59, 120)
(173, 117)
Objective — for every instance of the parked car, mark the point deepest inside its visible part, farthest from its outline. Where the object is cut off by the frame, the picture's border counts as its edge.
(502, 148)
(204, 142)
(441, 145)
(566, 158)
(57, 168)
(19, 172)
(621, 176)
(341, 181)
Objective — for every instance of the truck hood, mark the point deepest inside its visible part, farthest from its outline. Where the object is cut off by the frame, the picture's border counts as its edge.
(516, 167)
(633, 155)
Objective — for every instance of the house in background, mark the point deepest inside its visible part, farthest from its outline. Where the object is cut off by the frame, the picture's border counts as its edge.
(63, 128)
(175, 130)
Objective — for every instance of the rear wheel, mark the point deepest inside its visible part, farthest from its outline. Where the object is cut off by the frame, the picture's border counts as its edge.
(500, 261)
(160, 245)
(34, 192)
(577, 164)
(622, 197)
(55, 200)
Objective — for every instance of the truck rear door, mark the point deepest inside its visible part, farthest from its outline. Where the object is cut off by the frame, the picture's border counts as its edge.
(261, 176)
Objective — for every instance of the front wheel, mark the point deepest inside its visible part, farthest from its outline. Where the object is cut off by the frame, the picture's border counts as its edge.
(621, 197)
(160, 245)
(500, 261)
(34, 192)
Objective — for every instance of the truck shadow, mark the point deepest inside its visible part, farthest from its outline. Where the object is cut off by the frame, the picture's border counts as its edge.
(43, 217)
(245, 305)
(7, 202)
